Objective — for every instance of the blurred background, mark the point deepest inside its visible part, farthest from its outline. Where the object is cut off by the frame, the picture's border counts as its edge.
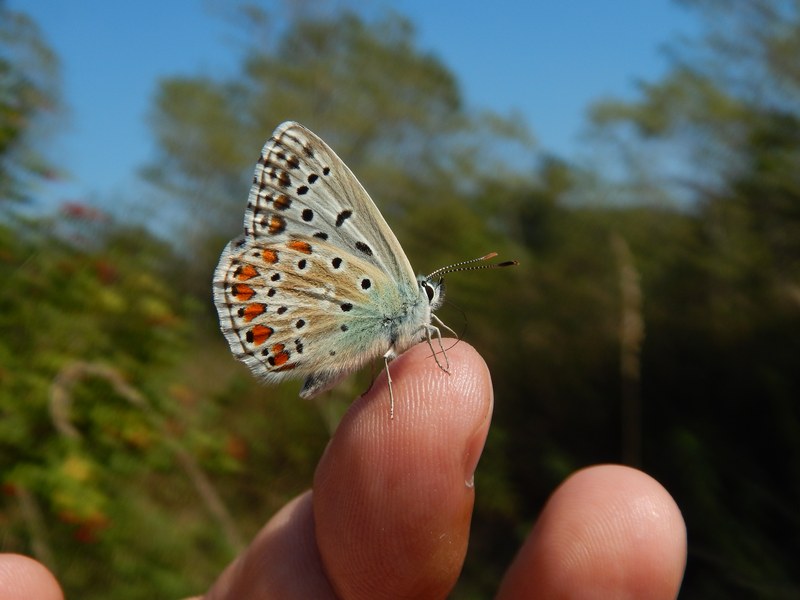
(641, 160)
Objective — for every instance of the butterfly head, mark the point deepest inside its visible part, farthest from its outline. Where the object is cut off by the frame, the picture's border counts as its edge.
(432, 289)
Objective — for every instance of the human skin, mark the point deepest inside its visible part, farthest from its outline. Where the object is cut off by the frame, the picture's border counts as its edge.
(390, 511)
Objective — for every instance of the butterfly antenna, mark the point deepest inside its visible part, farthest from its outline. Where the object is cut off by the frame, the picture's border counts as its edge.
(464, 265)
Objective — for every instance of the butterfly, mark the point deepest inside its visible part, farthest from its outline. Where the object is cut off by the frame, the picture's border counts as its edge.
(318, 285)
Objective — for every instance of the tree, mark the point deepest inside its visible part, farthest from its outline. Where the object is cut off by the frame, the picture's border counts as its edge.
(28, 92)
(721, 301)
(395, 114)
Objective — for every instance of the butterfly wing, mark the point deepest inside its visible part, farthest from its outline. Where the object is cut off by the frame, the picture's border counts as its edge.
(305, 291)
(301, 188)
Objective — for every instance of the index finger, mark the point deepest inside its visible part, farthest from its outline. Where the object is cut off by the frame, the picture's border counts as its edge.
(393, 498)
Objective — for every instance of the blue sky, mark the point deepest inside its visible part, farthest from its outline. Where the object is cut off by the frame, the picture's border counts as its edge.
(546, 60)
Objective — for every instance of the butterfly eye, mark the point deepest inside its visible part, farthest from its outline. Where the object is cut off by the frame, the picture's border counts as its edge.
(429, 291)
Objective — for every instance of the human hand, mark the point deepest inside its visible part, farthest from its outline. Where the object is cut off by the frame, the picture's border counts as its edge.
(392, 501)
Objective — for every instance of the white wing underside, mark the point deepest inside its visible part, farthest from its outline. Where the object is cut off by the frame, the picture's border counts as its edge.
(306, 289)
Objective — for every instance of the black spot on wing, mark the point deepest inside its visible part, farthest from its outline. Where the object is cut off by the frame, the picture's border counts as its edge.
(342, 217)
(362, 247)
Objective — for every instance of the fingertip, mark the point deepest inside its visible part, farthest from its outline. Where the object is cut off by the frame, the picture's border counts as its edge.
(393, 497)
(428, 383)
(609, 528)
(22, 578)
(631, 522)
(454, 406)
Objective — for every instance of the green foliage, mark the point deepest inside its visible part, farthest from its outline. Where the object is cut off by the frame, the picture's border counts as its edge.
(395, 113)
(107, 414)
(28, 91)
(122, 412)
(719, 381)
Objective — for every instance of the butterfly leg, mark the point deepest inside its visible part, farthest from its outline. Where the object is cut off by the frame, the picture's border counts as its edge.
(390, 355)
(437, 331)
(448, 328)
(443, 324)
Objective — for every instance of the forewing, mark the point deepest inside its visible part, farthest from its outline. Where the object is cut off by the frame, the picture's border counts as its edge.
(303, 190)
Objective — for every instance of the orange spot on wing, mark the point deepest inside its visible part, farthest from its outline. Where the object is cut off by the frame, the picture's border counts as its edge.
(282, 202)
(270, 256)
(281, 358)
(303, 247)
(277, 348)
(276, 224)
(245, 272)
(286, 367)
(259, 334)
(251, 311)
(242, 292)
